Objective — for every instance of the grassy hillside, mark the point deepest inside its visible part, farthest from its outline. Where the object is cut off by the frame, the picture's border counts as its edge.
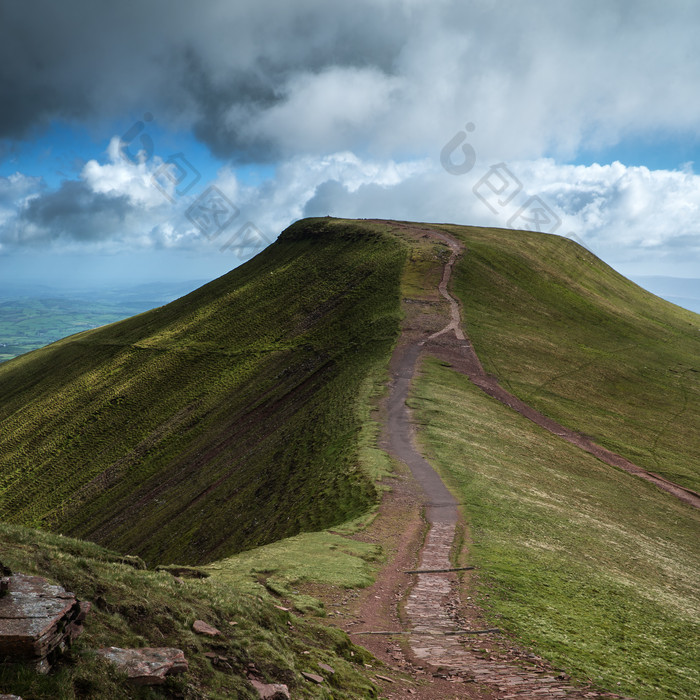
(136, 608)
(594, 569)
(224, 420)
(585, 346)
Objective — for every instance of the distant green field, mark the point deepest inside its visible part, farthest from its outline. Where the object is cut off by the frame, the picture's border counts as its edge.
(30, 323)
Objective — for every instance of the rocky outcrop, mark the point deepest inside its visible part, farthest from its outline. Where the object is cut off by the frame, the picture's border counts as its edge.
(147, 666)
(37, 621)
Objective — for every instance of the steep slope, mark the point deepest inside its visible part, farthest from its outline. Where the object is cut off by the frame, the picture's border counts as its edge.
(580, 343)
(224, 420)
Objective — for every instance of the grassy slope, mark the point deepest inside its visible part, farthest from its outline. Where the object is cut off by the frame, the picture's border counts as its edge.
(584, 345)
(225, 420)
(595, 570)
(136, 608)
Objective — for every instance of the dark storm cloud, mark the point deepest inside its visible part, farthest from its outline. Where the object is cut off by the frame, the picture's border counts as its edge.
(73, 212)
(214, 65)
(262, 79)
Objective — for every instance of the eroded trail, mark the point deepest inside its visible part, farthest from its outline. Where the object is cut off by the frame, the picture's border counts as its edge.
(436, 635)
(452, 343)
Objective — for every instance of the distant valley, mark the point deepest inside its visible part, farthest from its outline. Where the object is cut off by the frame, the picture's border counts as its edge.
(32, 317)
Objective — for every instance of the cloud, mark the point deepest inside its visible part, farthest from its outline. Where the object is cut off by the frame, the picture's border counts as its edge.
(112, 206)
(628, 215)
(263, 80)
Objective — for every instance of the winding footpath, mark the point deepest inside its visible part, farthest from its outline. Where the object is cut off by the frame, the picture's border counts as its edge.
(436, 635)
(471, 366)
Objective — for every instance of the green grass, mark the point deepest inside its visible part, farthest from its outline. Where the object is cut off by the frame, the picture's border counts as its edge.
(594, 569)
(227, 419)
(324, 559)
(585, 346)
(241, 416)
(136, 608)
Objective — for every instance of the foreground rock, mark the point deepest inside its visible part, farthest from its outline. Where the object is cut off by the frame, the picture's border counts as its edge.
(271, 691)
(147, 666)
(37, 621)
(201, 627)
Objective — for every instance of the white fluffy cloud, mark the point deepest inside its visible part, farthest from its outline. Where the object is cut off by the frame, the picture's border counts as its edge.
(628, 215)
(635, 218)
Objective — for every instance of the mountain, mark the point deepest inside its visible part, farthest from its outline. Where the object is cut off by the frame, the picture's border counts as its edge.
(224, 420)
(243, 429)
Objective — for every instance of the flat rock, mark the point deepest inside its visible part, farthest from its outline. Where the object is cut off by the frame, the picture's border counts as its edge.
(146, 666)
(271, 691)
(201, 627)
(38, 620)
(313, 677)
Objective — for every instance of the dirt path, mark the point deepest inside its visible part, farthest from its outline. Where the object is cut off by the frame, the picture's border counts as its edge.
(435, 637)
(459, 351)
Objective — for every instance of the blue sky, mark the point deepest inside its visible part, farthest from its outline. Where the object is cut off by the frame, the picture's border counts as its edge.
(663, 151)
(271, 111)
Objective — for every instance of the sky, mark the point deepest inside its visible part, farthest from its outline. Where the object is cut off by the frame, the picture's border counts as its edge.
(168, 141)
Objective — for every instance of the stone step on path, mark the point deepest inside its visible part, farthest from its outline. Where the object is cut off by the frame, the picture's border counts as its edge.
(434, 631)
